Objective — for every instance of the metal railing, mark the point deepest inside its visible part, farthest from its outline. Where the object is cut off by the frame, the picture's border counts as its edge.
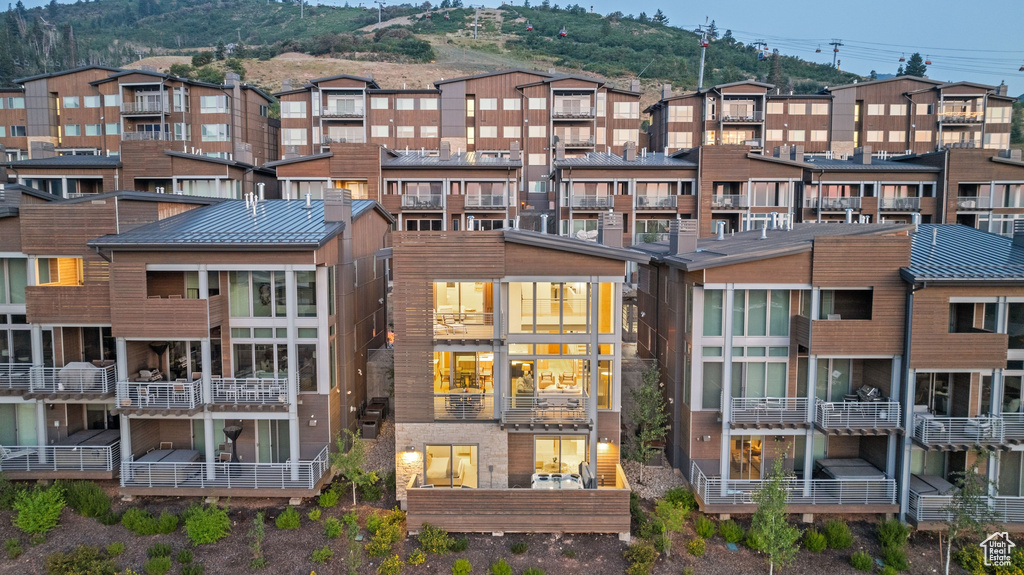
(576, 142)
(15, 376)
(768, 410)
(931, 430)
(833, 203)
(743, 116)
(249, 391)
(60, 457)
(974, 203)
(144, 108)
(73, 380)
(901, 204)
(463, 324)
(1013, 426)
(423, 202)
(729, 201)
(486, 201)
(591, 202)
(325, 140)
(857, 414)
(357, 112)
(299, 475)
(571, 112)
(936, 507)
(649, 237)
(145, 136)
(961, 117)
(800, 492)
(159, 394)
(550, 409)
(644, 202)
(464, 406)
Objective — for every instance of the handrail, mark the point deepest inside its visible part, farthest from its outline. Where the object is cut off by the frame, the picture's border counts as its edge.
(261, 391)
(15, 376)
(905, 204)
(857, 414)
(974, 202)
(73, 380)
(464, 406)
(593, 202)
(1013, 425)
(656, 201)
(931, 430)
(729, 201)
(144, 108)
(833, 203)
(423, 201)
(765, 410)
(61, 457)
(922, 507)
(485, 201)
(544, 409)
(159, 394)
(799, 491)
(299, 475)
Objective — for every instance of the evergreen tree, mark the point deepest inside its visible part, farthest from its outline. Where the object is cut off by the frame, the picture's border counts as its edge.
(218, 53)
(899, 71)
(658, 17)
(649, 417)
(713, 31)
(874, 75)
(915, 66)
(51, 10)
(775, 77)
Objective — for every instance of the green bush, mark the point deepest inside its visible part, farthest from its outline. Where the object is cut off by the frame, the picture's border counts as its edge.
(329, 498)
(332, 527)
(520, 547)
(837, 534)
(157, 566)
(461, 567)
(13, 548)
(390, 481)
(116, 548)
(636, 512)
(569, 553)
(371, 492)
(731, 531)
(500, 567)
(159, 550)
(459, 545)
(288, 519)
(672, 516)
(434, 540)
(392, 565)
(185, 556)
(196, 569)
(417, 557)
(681, 497)
(893, 533)
(641, 558)
(206, 524)
(314, 514)
(533, 571)
(9, 492)
(166, 523)
(754, 540)
(322, 555)
(888, 570)
(704, 527)
(38, 509)
(83, 559)
(109, 518)
(971, 558)
(86, 497)
(861, 561)
(895, 557)
(696, 547)
(139, 521)
(814, 542)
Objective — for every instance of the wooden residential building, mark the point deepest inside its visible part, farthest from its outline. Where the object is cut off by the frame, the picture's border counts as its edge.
(13, 124)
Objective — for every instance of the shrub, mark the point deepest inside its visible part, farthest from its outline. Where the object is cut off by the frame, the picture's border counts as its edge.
(696, 547)
(888, 570)
(116, 548)
(378, 547)
(459, 545)
(417, 557)
(971, 558)
(159, 550)
(391, 566)
(370, 492)
(636, 512)
(837, 534)
(288, 519)
(185, 556)
(109, 518)
(387, 533)
(314, 514)
(207, 524)
(435, 540)
(672, 516)
(681, 497)
(87, 498)
(861, 561)
(814, 542)
(754, 540)
(139, 521)
(569, 553)
(192, 570)
(83, 559)
(704, 527)
(328, 498)
(390, 481)
(38, 509)
(893, 533)
(332, 527)
(461, 567)
(166, 523)
(520, 547)
(500, 567)
(731, 531)
(157, 566)
(641, 557)
(13, 548)
(895, 557)
(533, 571)
(257, 533)
(322, 555)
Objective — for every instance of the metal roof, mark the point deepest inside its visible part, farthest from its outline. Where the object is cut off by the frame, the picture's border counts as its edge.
(298, 159)
(395, 159)
(573, 245)
(876, 165)
(956, 253)
(495, 73)
(277, 224)
(64, 72)
(71, 161)
(609, 160)
(205, 158)
(145, 196)
(880, 81)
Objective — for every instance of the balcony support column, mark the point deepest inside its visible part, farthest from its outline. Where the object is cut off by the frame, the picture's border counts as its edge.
(41, 430)
(205, 349)
(121, 346)
(891, 443)
(209, 436)
(812, 386)
(292, 311)
(730, 296)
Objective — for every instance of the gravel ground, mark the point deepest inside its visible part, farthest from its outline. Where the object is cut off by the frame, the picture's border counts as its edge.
(657, 479)
(380, 452)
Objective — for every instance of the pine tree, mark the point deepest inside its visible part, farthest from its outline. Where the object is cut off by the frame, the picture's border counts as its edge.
(660, 17)
(218, 53)
(649, 417)
(775, 77)
(915, 66)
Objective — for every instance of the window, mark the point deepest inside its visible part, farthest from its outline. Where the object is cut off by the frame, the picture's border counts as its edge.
(773, 135)
(219, 105)
(680, 113)
(264, 110)
(996, 141)
(417, 225)
(405, 103)
(924, 109)
(797, 109)
(972, 317)
(488, 131)
(428, 103)
(833, 379)
(182, 131)
(112, 129)
(288, 109)
(70, 101)
(379, 131)
(217, 133)
(760, 313)
(759, 378)
(819, 109)
(538, 131)
(845, 304)
(796, 135)
(451, 466)
(92, 129)
(59, 271)
(289, 136)
(72, 130)
(378, 103)
(111, 100)
(511, 132)
(776, 107)
(680, 140)
(13, 103)
(511, 103)
(538, 159)
(91, 102)
(621, 136)
(875, 136)
(488, 104)
(897, 136)
(923, 136)
(3, 134)
(876, 109)
(470, 136)
(626, 111)
(713, 301)
(710, 137)
(428, 131)
(560, 454)
(897, 109)
(998, 115)
(550, 307)
(1015, 324)
(819, 135)
(538, 103)
(712, 385)
(405, 131)
(769, 194)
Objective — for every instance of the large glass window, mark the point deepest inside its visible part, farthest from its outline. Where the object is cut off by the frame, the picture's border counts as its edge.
(560, 454)
(758, 379)
(712, 392)
(1012, 394)
(554, 370)
(713, 301)
(265, 291)
(451, 466)
(833, 379)
(305, 288)
(549, 307)
(1015, 325)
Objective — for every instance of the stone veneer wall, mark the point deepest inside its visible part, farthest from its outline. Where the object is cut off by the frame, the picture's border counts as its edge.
(492, 450)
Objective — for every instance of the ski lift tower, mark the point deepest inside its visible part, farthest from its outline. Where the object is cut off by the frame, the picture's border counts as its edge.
(703, 48)
(835, 43)
(380, 4)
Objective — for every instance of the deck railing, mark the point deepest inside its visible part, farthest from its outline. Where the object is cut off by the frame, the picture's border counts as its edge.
(653, 202)
(833, 203)
(551, 409)
(60, 457)
(900, 204)
(15, 376)
(591, 202)
(974, 203)
(300, 475)
(159, 394)
(768, 410)
(73, 380)
(144, 107)
(1013, 426)
(923, 508)
(812, 492)
(729, 201)
(250, 391)
(930, 430)
(464, 406)
(485, 201)
(857, 414)
(423, 201)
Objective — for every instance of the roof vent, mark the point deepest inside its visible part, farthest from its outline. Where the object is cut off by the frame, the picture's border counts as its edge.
(721, 231)
(470, 223)
(309, 202)
(764, 232)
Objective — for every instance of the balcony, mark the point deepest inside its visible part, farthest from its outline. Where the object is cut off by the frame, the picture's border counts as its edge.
(571, 142)
(573, 113)
(935, 508)
(145, 136)
(463, 325)
(77, 379)
(961, 117)
(233, 393)
(900, 204)
(649, 237)
(328, 140)
(182, 395)
(863, 417)
(486, 201)
(729, 202)
(342, 113)
(36, 459)
(753, 412)
(833, 204)
(1013, 428)
(656, 202)
(468, 405)
(545, 411)
(149, 108)
(423, 202)
(959, 433)
(583, 202)
(742, 116)
(15, 378)
(974, 203)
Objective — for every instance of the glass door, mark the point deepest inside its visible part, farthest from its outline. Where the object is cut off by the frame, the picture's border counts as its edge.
(745, 457)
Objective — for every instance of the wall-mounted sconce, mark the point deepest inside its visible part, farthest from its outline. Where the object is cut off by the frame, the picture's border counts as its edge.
(51, 406)
(671, 400)
(56, 423)
(605, 440)
(704, 438)
(410, 448)
(352, 408)
(312, 421)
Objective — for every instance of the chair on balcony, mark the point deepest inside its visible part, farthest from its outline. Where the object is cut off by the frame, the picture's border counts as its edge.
(453, 325)
(144, 396)
(179, 393)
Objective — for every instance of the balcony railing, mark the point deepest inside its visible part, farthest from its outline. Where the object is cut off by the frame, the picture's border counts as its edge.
(1013, 426)
(159, 394)
(136, 108)
(15, 376)
(800, 492)
(961, 117)
(71, 379)
(931, 430)
(729, 201)
(298, 475)
(742, 116)
(768, 410)
(464, 325)
(833, 204)
(544, 410)
(575, 141)
(423, 202)
(250, 391)
(649, 237)
(974, 203)
(924, 508)
(572, 113)
(463, 406)
(483, 201)
(342, 113)
(60, 457)
(900, 204)
(857, 414)
(644, 202)
(591, 202)
(325, 140)
(146, 136)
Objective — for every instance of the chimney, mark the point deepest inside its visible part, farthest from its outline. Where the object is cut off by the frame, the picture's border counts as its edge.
(559, 150)
(232, 79)
(609, 230)
(629, 152)
(1001, 89)
(862, 155)
(543, 223)
(634, 85)
(1018, 233)
(338, 206)
(682, 237)
(780, 151)
(446, 151)
(513, 152)
(666, 91)
(797, 153)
